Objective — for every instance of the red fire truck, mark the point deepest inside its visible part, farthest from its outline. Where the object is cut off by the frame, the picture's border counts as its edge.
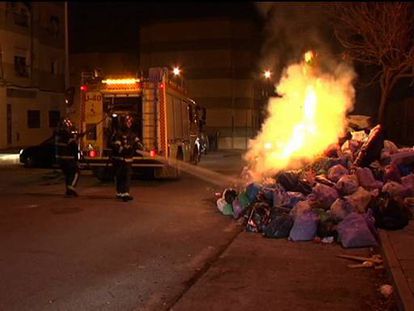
(168, 122)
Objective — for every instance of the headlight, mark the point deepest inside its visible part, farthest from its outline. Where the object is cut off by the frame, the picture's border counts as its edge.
(21, 151)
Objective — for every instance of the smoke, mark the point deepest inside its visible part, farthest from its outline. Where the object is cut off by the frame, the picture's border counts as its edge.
(292, 28)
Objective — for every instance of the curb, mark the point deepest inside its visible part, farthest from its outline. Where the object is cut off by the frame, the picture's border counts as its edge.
(404, 295)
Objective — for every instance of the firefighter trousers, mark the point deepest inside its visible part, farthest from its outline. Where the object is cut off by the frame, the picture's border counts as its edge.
(71, 171)
(122, 172)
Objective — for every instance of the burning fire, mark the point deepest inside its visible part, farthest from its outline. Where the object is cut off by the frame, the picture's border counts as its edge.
(308, 56)
(308, 118)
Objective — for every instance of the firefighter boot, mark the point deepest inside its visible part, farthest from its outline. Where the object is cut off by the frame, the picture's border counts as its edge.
(127, 197)
(71, 193)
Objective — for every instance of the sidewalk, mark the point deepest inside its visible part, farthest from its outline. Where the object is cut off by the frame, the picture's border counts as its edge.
(398, 248)
(255, 273)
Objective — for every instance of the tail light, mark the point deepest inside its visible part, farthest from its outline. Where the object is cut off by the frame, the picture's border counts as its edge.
(92, 153)
(153, 152)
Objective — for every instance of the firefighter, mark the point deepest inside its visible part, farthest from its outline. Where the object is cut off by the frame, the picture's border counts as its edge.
(66, 147)
(125, 144)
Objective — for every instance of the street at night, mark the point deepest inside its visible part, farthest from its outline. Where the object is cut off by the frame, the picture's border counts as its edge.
(206, 156)
(169, 248)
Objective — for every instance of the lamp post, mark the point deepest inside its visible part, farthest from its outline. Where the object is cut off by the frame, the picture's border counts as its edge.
(67, 81)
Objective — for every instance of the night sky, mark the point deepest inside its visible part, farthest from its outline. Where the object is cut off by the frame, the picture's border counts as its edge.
(114, 26)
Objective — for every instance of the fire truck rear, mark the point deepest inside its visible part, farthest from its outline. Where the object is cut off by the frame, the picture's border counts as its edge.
(168, 122)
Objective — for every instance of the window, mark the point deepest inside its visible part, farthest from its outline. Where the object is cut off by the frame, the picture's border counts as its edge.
(20, 66)
(54, 117)
(54, 67)
(33, 119)
(21, 18)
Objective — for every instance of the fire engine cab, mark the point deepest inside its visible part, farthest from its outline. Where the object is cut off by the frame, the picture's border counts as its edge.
(166, 120)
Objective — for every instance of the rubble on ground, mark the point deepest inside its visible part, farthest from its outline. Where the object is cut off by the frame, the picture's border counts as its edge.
(358, 186)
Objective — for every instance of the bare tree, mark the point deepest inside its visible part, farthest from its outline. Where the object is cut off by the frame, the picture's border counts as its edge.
(379, 34)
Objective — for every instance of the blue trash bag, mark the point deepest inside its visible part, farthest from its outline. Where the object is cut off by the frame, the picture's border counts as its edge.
(304, 228)
(354, 231)
(252, 190)
(266, 194)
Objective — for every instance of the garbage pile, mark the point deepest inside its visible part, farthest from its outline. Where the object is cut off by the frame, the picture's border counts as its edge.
(362, 183)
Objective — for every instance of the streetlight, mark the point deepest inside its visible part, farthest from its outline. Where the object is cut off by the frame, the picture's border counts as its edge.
(176, 71)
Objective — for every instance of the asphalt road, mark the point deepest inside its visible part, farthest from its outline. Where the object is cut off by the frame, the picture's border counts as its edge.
(169, 249)
(95, 253)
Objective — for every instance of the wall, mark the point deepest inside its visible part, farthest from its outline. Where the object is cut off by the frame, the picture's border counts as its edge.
(39, 38)
(216, 56)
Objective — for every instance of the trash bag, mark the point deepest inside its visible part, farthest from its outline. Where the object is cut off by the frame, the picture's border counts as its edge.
(325, 195)
(359, 200)
(340, 209)
(243, 199)
(331, 162)
(405, 169)
(229, 195)
(353, 231)
(280, 197)
(290, 181)
(404, 159)
(408, 183)
(347, 184)
(392, 173)
(304, 227)
(366, 179)
(279, 227)
(258, 218)
(389, 149)
(252, 190)
(390, 214)
(300, 208)
(228, 210)
(336, 172)
(395, 189)
(350, 148)
(221, 203)
(266, 194)
(293, 198)
(238, 208)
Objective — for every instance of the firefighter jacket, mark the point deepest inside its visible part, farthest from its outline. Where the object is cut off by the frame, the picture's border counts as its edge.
(66, 146)
(125, 145)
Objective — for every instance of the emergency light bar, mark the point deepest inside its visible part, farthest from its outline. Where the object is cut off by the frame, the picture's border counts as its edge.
(120, 81)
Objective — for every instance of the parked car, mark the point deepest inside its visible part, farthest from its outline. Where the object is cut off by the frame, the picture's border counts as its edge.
(42, 155)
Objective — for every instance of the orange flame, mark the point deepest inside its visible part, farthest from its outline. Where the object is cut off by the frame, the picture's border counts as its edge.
(304, 122)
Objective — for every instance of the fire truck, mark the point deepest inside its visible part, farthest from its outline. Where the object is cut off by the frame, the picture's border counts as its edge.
(166, 120)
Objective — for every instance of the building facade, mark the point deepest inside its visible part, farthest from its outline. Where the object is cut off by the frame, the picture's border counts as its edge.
(217, 57)
(32, 60)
